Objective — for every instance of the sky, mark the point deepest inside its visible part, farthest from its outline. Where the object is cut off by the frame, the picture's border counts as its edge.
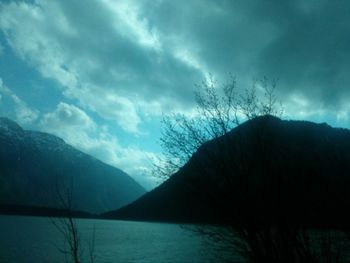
(101, 73)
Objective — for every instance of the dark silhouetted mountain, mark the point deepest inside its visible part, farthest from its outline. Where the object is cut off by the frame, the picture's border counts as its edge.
(266, 170)
(36, 168)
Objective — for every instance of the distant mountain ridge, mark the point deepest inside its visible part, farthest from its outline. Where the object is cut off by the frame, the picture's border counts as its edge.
(264, 170)
(36, 167)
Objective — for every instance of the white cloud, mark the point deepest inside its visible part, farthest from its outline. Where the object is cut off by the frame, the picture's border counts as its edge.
(109, 57)
(343, 114)
(159, 49)
(128, 23)
(298, 106)
(79, 130)
(109, 106)
(28, 32)
(22, 112)
(68, 116)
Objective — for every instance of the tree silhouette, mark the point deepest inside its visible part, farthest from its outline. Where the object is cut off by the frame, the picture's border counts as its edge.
(219, 108)
(265, 234)
(67, 226)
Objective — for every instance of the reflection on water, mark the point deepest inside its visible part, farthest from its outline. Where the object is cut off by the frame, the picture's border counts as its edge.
(35, 239)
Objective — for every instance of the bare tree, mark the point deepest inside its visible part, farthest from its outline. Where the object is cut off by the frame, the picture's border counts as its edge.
(219, 109)
(67, 226)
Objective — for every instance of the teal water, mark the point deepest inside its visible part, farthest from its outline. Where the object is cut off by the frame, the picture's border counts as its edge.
(35, 239)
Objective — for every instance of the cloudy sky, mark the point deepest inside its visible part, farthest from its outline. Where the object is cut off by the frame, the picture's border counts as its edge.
(100, 73)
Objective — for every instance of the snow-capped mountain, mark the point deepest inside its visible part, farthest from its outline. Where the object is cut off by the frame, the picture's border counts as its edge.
(37, 168)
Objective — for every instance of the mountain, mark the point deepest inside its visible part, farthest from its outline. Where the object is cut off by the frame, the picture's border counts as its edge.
(37, 169)
(266, 170)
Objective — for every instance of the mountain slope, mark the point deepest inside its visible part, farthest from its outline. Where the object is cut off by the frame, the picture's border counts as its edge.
(36, 168)
(265, 170)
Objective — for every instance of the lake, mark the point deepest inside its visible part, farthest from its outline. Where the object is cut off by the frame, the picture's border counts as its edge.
(35, 239)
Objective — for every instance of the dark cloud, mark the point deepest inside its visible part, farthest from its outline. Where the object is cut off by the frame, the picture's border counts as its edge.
(127, 64)
(302, 43)
(311, 52)
(157, 50)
